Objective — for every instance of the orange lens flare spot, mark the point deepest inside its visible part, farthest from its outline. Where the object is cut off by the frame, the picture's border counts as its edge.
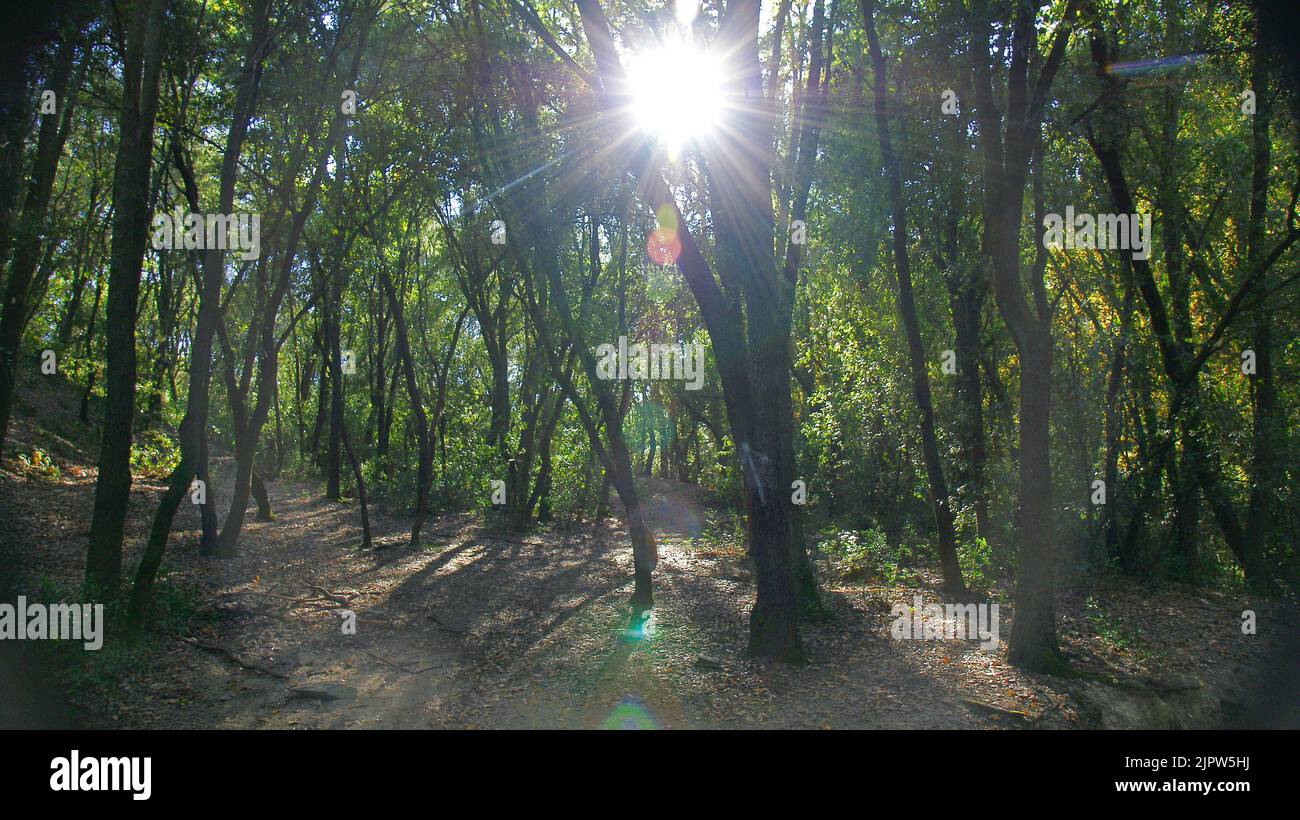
(663, 247)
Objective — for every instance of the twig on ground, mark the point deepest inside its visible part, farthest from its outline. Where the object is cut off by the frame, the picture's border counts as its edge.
(398, 666)
(445, 626)
(1022, 715)
(232, 656)
(336, 597)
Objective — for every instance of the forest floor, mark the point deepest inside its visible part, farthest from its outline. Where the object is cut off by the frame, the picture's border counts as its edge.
(479, 629)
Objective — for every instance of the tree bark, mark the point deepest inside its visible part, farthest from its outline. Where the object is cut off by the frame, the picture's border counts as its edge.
(141, 72)
(941, 503)
(31, 223)
(1006, 156)
(194, 425)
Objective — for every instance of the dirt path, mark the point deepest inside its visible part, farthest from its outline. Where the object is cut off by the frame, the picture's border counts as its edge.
(474, 629)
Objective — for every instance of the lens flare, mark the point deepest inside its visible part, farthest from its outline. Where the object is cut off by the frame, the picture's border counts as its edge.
(1161, 65)
(630, 713)
(640, 626)
(663, 247)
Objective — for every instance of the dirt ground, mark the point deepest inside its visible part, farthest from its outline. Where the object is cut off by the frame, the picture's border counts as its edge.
(476, 629)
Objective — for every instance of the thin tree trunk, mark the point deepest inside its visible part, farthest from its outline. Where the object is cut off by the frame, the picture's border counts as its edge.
(1114, 426)
(31, 226)
(83, 413)
(141, 72)
(424, 476)
(1270, 430)
(194, 425)
(1006, 157)
(939, 499)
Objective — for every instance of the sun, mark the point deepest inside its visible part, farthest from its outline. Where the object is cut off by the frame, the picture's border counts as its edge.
(676, 93)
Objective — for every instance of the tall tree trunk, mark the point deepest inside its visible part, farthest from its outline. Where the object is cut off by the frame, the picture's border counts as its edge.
(333, 463)
(322, 402)
(249, 433)
(610, 448)
(542, 489)
(424, 478)
(652, 431)
(31, 224)
(23, 39)
(193, 432)
(1006, 155)
(141, 71)
(944, 529)
(751, 348)
(1114, 426)
(83, 413)
(967, 286)
(1270, 435)
(424, 475)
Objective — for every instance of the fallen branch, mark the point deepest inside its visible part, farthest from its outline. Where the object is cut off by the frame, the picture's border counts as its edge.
(333, 597)
(232, 656)
(337, 597)
(445, 626)
(398, 666)
(289, 598)
(1023, 715)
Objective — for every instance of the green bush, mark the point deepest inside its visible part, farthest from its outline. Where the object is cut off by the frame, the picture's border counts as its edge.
(976, 562)
(154, 454)
(866, 554)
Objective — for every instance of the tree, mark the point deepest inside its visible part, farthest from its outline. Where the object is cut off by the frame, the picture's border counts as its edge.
(747, 309)
(943, 517)
(1008, 139)
(193, 427)
(142, 55)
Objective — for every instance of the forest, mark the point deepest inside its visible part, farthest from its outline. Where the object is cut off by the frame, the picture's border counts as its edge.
(699, 363)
